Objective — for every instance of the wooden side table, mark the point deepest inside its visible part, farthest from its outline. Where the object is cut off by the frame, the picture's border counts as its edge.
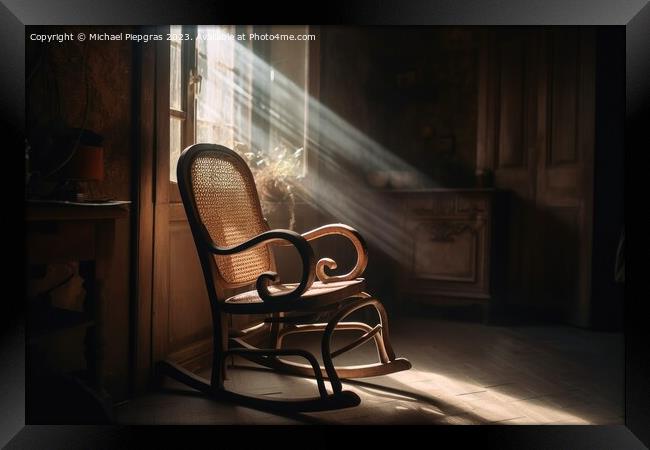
(60, 232)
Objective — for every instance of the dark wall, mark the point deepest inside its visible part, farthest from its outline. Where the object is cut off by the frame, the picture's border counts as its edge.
(413, 90)
(75, 84)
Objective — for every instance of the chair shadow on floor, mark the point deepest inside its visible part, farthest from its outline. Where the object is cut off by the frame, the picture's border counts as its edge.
(390, 393)
(299, 417)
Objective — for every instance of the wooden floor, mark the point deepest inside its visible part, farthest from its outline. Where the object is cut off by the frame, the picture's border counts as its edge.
(463, 373)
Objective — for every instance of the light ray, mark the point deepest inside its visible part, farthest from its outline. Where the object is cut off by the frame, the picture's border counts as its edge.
(345, 154)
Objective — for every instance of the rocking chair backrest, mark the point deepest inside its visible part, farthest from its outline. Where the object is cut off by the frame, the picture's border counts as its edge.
(219, 192)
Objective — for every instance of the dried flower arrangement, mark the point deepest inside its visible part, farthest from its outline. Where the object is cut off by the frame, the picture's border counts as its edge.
(277, 173)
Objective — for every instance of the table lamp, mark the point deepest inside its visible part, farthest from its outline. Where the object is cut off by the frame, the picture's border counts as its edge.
(86, 164)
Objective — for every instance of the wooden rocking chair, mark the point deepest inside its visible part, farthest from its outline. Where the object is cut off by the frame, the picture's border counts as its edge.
(232, 239)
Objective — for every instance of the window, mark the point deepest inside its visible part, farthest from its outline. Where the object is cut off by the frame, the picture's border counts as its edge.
(230, 87)
(181, 102)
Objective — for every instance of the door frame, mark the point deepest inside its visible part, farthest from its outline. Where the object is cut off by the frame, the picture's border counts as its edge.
(151, 114)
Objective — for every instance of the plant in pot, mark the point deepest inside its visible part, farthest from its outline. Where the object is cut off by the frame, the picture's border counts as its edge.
(277, 173)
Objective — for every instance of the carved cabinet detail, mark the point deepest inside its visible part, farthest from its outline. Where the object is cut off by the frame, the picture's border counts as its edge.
(455, 252)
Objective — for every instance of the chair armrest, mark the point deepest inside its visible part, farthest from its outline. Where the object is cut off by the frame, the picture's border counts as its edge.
(263, 281)
(359, 244)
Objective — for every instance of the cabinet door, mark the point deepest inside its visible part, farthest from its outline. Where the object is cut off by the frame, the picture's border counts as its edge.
(450, 247)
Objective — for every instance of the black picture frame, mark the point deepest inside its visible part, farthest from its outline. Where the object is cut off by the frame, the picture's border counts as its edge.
(634, 15)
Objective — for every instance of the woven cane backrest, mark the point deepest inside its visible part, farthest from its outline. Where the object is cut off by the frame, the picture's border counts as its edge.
(228, 205)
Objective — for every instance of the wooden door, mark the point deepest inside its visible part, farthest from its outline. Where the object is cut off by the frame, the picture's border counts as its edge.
(564, 183)
(509, 62)
(535, 134)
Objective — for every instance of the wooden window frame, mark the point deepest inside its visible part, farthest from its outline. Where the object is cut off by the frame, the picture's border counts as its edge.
(188, 101)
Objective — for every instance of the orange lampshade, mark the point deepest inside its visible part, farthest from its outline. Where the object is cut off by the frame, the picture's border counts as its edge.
(87, 163)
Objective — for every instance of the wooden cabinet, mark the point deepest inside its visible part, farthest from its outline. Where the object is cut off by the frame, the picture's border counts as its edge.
(454, 250)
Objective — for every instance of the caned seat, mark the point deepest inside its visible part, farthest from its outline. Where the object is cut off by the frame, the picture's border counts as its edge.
(233, 240)
(318, 295)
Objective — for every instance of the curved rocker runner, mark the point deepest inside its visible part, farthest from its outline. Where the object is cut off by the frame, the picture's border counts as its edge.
(234, 244)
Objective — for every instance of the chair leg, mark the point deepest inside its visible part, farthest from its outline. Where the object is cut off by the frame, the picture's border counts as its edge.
(383, 320)
(385, 358)
(388, 362)
(276, 329)
(219, 345)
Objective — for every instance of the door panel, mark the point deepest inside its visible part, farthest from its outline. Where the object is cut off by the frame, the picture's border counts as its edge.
(536, 134)
(509, 74)
(565, 166)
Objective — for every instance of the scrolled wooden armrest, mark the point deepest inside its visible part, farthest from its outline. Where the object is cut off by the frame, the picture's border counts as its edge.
(263, 281)
(359, 244)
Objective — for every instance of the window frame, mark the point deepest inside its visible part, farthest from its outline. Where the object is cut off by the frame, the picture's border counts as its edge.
(188, 100)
